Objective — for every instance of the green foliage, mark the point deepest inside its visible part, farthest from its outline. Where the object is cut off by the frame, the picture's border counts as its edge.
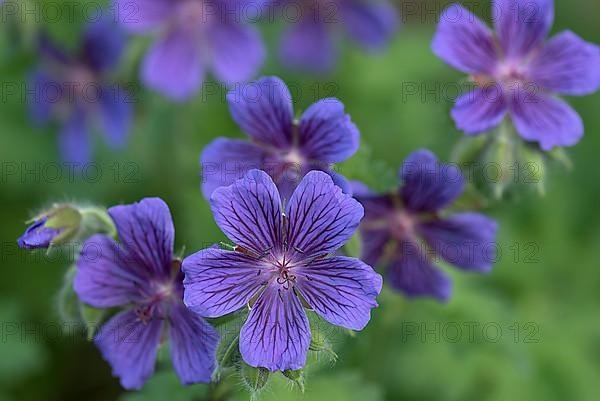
(166, 386)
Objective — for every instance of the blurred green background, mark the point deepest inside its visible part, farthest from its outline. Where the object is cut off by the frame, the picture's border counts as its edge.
(529, 330)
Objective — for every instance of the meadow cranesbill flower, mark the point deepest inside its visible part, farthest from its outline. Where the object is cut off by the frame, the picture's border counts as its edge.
(516, 73)
(284, 147)
(405, 231)
(310, 41)
(141, 274)
(194, 36)
(74, 90)
(280, 262)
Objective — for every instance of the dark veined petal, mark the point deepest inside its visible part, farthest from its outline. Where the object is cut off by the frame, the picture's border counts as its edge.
(74, 139)
(480, 110)
(146, 231)
(193, 344)
(130, 347)
(463, 240)
(321, 218)
(264, 111)
(412, 273)
(464, 42)
(143, 15)
(429, 185)
(545, 119)
(106, 276)
(522, 25)
(372, 24)
(218, 282)
(249, 212)
(567, 65)
(276, 335)
(225, 160)
(237, 51)
(326, 133)
(340, 289)
(173, 65)
(308, 45)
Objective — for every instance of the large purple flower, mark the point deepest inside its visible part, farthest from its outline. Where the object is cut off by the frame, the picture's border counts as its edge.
(194, 36)
(73, 89)
(141, 273)
(404, 231)
(310, 41)
(287, 149)
(516, 72)
(280, 262)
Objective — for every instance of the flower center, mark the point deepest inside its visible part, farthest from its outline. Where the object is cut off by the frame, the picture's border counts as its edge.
(192, 13)
(402, 225)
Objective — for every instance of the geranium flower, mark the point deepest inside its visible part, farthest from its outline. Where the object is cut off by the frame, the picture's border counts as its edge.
(281, 260)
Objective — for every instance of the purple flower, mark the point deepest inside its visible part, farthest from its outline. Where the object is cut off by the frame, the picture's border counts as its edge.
(73, 90)
(310, 42)
(280, 263)
(287, 149)
(194, 36)
(404, 231)
(38, 235)
(516, 72)
(54, 226)
(141, 273)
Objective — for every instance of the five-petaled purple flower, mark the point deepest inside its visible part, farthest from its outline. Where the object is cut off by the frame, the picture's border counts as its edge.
(141, 271)
(404, 231)
(195, 35)
(280, 262)
(283, 147)
(73, 90)
(516, 72)
(310, 41)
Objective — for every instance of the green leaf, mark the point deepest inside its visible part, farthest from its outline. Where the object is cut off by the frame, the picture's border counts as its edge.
(166, 386)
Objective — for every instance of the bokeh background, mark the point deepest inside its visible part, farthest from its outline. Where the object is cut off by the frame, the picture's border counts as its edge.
(529, 330)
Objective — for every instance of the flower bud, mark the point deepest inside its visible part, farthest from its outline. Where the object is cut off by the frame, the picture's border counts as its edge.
(52, 227)
(254, 379)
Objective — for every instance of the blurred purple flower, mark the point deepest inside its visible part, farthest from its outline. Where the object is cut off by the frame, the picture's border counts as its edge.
(193, 37)
(285, 148)
(311, 40)
(404, 231)
(282, 260)
(141, 273)
(516, 72)
(73, 90)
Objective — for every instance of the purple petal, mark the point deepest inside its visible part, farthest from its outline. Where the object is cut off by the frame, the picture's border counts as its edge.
(371, 25)
(463, 240)
(480, 110)
(74, 141)
(276, 335)
(130, 347)
(193, 344)
(321, 218)
(142, 15)
(522, 25)
(40, 103)
(545, 119)
(263, 110)
(464, 42)
(146, 231)
(105, 275)
(115, 115)
(218, 282)
(37, 235)
(173, 65)
(412, 273)
(308, 45)
(237, 51)
(340, 289)
(375, 234)
(567, 65)
(225, 160)
(103, 44)
(429, 185)
(249, 212)
(340, 181)
(373, 244)
(326, 133)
